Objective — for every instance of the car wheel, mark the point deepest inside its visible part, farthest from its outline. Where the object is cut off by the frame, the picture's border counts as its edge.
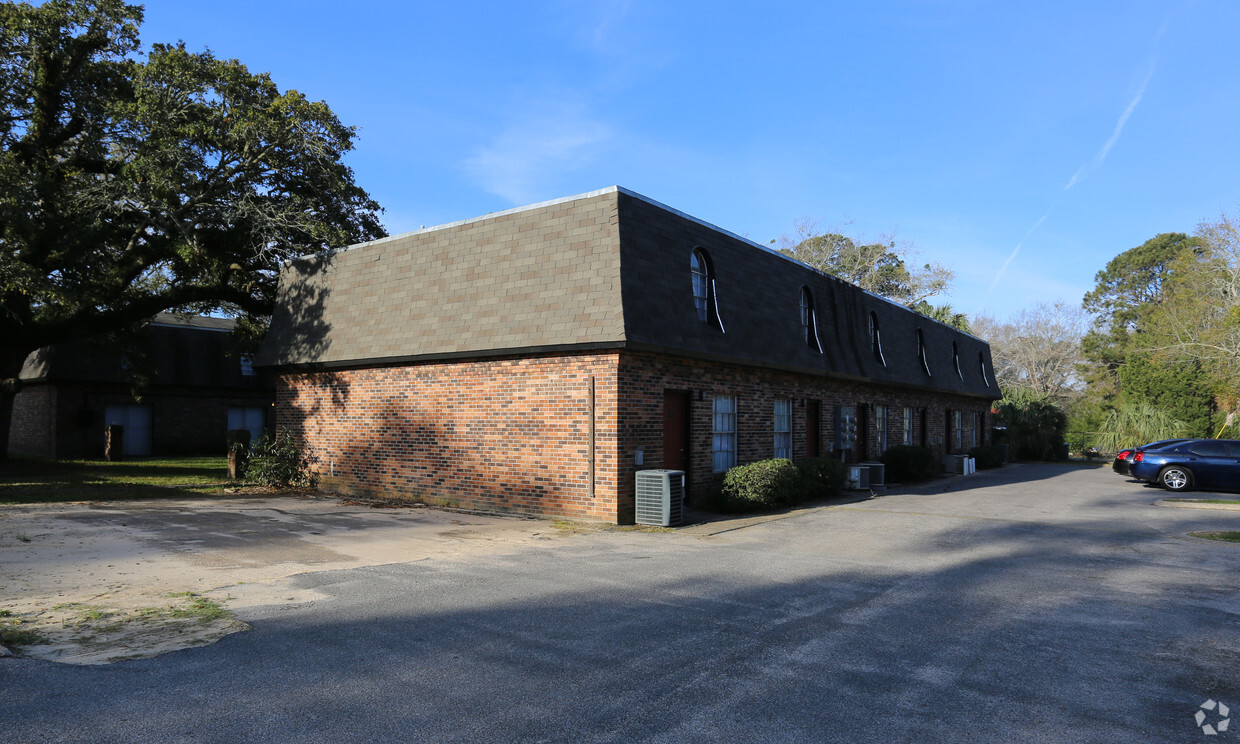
(1175, 478)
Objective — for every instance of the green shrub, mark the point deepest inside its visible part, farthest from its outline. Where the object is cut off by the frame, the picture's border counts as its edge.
(276, 461)
(908, 463)
(1033, 425)
(823, 477)
(765, 484)
(987, 457)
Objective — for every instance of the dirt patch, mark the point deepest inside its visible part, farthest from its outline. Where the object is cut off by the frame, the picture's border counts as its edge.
(94, 583)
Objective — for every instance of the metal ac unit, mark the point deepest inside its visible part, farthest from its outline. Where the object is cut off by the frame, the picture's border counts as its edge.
(878, 474)
(960, 464)
(858, 477)
(660, 497)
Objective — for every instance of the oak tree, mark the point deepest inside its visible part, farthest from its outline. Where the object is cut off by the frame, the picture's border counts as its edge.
(884, 267)
(136, 182)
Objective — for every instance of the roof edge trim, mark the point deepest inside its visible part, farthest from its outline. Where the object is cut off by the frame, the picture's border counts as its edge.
(390, 361)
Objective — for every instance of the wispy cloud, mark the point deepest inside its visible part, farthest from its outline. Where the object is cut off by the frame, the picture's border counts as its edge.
(603, 21)
(534, 148)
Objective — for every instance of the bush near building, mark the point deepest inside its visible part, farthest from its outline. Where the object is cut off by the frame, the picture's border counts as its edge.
(908, 463)
(765, 484)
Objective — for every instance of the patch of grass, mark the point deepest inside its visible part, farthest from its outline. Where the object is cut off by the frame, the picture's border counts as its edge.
(1231, 537)
(81, 614)
(33, 480)
(1206, 501)
(12, 634)
(199, 608)
(93, 615)
(14, 637)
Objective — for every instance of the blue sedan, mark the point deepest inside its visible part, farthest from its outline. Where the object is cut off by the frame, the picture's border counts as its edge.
(1123, 460)
(1196, 463)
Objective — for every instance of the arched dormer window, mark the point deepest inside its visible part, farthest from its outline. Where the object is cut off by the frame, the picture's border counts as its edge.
(956, 360)
(704, 299)
(876, 339)
(809, 320)
(981, 362)
(921, 352)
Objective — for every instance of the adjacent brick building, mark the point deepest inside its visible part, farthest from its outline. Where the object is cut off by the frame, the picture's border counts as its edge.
(533, 360)
(196, 389)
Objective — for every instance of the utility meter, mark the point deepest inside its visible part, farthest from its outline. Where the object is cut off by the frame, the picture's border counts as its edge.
(845, 427)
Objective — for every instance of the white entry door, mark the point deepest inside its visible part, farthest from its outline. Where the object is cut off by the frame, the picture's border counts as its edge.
(250, 419)
(137, 422)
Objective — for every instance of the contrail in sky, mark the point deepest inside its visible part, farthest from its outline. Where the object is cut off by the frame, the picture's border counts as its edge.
(1089, 167)
(1003, 269)
(1093, 165)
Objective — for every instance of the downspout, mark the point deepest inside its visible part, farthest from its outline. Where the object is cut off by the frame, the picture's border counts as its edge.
(590, 455)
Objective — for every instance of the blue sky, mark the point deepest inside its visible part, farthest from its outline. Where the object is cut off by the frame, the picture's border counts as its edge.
(1022, 144)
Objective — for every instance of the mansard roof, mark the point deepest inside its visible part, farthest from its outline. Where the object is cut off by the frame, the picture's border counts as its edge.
(605, 269)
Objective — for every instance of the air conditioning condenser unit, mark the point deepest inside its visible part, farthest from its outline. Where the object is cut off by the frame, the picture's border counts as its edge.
(660, 497)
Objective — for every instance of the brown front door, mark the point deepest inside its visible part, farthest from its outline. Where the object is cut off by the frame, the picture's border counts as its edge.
(813, 413)
(862, 449)
(676, 430)
(947, 431)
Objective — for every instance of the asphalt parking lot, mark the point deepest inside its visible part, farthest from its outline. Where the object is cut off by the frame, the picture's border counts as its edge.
(1038, 603)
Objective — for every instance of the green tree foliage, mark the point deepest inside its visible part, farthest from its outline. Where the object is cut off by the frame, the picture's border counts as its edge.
(1179, 389)
(1134, 424)
(1125, 293)
(881, 267)
(1034, 427)
(944, 314)
(129, 186)
(1199, 319)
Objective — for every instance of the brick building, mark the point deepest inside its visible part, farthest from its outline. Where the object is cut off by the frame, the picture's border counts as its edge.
(196, 391)
(532, 360)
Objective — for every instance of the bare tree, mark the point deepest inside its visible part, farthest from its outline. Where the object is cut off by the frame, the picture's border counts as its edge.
(1037, 349)
(881, 266)
(1200, 318)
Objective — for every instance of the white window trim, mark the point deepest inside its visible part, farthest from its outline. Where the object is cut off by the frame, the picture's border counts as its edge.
(783, 437)
(725, 457)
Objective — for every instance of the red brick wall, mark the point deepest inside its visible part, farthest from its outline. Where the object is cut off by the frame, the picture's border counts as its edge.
(507, 435)
(66, 419)
(512, 435)
(33, 430)
(644, 377)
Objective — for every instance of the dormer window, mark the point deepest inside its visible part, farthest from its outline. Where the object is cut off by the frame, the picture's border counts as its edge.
(981, 362)
(956, 360)
(809, 320)
(704, 288)
(921, 352)
(876, 339)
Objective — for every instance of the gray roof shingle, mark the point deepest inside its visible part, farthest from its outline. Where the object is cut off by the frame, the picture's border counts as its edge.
(607, 269)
